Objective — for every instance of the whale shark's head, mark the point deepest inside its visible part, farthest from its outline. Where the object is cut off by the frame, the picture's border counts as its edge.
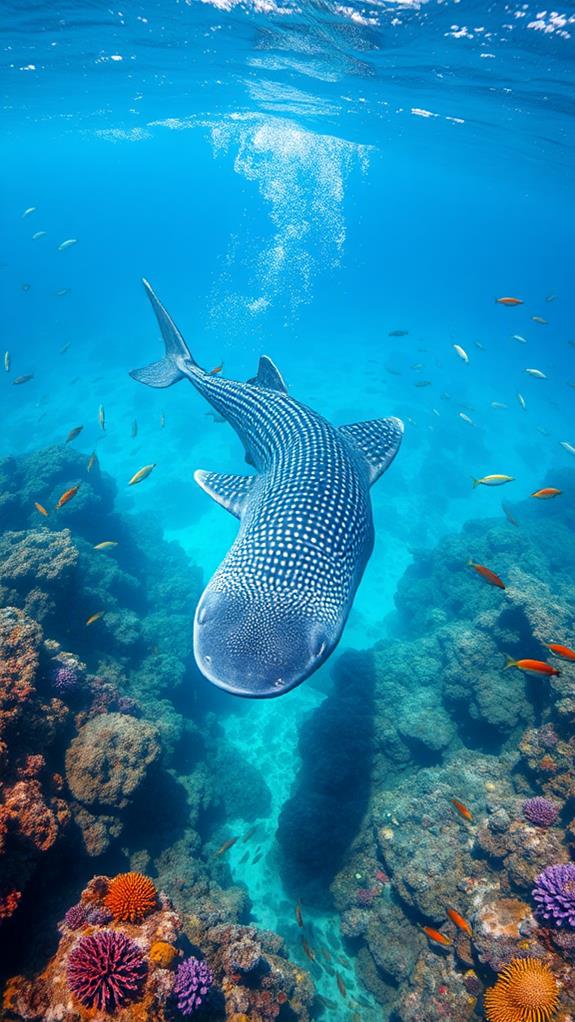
(259, 644)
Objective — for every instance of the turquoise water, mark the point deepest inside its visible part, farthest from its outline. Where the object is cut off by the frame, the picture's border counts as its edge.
(346, 188)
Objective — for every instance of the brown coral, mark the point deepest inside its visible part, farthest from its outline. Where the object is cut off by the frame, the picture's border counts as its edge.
(526, 991)
(130, 897)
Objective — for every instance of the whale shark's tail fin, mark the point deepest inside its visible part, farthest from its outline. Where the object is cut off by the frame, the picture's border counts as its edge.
(167, 371)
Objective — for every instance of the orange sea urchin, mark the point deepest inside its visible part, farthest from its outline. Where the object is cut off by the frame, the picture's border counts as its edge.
(130, 897)
(526, 991)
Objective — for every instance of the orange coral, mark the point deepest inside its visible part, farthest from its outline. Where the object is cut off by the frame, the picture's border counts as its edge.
(130, 897)
(9, 904)
(163, 954)
(526, 991)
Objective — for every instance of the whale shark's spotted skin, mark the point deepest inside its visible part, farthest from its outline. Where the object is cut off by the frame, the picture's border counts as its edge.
(276, 606)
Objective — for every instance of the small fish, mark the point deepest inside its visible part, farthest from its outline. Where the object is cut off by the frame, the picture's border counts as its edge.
(74, 433)
(244, 857)
(536, 373)
(22, 379)
(31, 209)
(462, 810)
(38, 235)
(95, 617)
(493, 480)
(535, 667)
(521, 400)
(423, 383)
(163, 420)
(134, 429)
(249, 834)
(436, 936)
(102, 417)
(547, 492)
(67, 495)
(567, 446)
(466, 418)
(479, 345)
(257, 858)
(308, 951)
(67, 244)
(326, 953)
(539, 319)
(226, 845)
(398, 333)
(509, 514)
(217, 369)
(106, 544)
(550, 298)
(461, 352)
(64, 348)
(62, 291)
(460, 922)
(509, 301)
(26, 287)
(92, 460)
(141, 474)
(298, 915)
(562, 651)
(498, 404)
(7, 361)
(518, 337)
(325, 1001)
(417, 365)
(41, 509)
(392, 372)
(487, 574)
(341, 985)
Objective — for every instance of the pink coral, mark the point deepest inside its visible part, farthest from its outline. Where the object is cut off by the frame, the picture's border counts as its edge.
(105, 970)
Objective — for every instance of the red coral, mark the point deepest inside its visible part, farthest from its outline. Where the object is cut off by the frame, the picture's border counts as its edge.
(9, 904)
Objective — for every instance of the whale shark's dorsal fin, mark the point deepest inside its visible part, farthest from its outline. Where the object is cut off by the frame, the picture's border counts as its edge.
(167, 371)
(378, 440)
(268, 375)
(229, 491)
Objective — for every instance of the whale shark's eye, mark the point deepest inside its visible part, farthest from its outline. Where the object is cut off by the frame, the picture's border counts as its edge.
(208, 658)
(279, 683)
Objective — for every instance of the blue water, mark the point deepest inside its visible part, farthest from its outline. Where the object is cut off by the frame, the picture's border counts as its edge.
(299, 180)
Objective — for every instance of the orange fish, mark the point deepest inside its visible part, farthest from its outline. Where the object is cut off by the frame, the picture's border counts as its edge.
(460, 922)
(436, 936)
(546, 493)
(509, 301)
(95, 617)
(462, 810)
(532, 667)
(563, 651)
(67, 495)
(487, 574)
(298, 915)
(227, 844)
(216, 370)
(41, 509)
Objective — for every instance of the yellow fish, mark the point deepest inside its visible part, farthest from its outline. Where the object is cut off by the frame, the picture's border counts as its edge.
(95, 617)
(107, 544)
(41, 509)
(74, 433)
(92, 460)
(141, 474)
(493, 480)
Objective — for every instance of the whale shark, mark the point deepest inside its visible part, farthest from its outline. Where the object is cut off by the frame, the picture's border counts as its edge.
(276, 607)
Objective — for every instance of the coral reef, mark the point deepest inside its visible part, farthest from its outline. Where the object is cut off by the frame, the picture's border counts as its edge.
(191, 985)
(526, 991)
(105, 970)
(554, 893)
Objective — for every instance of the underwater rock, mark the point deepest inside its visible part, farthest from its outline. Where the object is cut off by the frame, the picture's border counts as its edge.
(37, 571)
(109, 759)
(394, 944)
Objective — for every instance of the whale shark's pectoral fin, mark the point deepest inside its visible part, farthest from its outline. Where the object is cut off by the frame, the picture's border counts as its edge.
(229, 491)
(378, 440)
(268, 375)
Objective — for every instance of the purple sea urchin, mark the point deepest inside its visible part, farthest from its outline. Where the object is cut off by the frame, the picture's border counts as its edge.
(105, 970)
(540, 811)
(554, 893)
(193, 981)
(75, 917)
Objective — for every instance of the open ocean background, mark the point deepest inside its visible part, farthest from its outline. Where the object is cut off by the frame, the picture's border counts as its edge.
(301, 180)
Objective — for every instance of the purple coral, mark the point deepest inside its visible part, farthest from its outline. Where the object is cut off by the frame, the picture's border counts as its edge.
(105, 970)
(554, 893)
(64, 679)
(98, 916)
(540, 811)
(75, 917)
(193, 981)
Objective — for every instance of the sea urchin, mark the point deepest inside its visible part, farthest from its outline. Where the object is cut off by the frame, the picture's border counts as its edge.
(130, 897)
(105, 970)
(526, 991)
